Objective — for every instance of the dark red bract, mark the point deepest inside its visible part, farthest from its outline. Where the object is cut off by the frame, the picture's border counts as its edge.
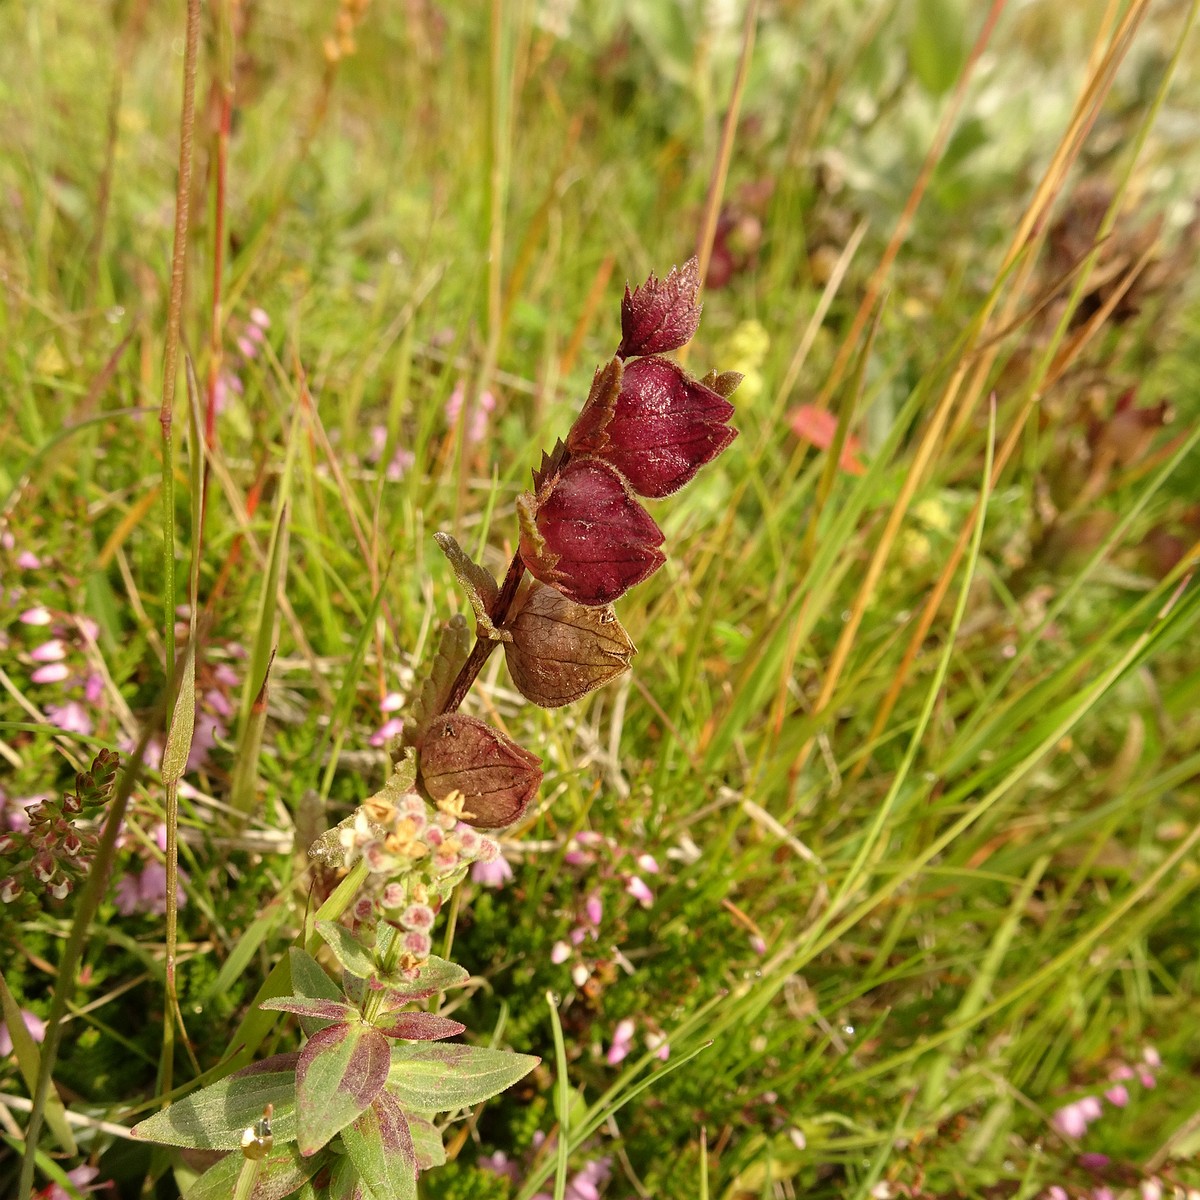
(661, 315)
(659, 430)
(587, 536)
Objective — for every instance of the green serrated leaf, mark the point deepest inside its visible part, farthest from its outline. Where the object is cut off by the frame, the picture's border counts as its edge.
(436, 1078)
(215, 1117)
(347, 949)
(304, 1006)
(280, 1174)
(341, 1070)
(310, 981)
(436, 975)
(381, 1148)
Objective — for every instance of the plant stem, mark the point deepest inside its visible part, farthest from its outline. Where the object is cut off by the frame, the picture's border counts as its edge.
(483, 647)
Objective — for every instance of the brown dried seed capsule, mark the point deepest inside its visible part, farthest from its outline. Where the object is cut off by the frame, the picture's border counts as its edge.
(561, 650)
(496, 777)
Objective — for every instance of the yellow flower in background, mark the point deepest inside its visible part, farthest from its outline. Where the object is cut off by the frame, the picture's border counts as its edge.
(745, 350)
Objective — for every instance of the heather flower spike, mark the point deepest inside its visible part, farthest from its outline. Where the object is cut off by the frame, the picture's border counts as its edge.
(557, 650)
(587, 536)
(661, 315)
(496, 778)
(654, 423)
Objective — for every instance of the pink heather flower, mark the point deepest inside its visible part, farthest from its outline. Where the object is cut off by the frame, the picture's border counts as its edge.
(1123, 1072)
(575, 858)
(7, 540)
(647, 863)
(204, 738)
(579, 975)
(247, 348)
(594, 909)
(1117, 1095)
(469, 841)
(35, 1025)
(1151, 1057)
(28, 561)
(500, 1164)
(658, 1044)
(758, 943)
(577, 935)
(219, 702)
(1147, 1079)
(1090, 1107)
(639, 891)
(586, 1184)
(35, 616)
(1151, 1189)
(71, 717)
(392, 896)
(49, 652)
(391, 702)
(80, 1177)
(1094, 1162)
(54, 672)
(560, 952)
(1102, 1193)
(1057, 1193)
(494, 874)
(254, 334)
(485, 404)
(1069, 1120)
(260, 318)
(93, 687)
(622, 1042)
(387, 731)
(401, 462)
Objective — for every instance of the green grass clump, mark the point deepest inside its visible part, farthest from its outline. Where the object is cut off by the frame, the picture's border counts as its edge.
(911, 742)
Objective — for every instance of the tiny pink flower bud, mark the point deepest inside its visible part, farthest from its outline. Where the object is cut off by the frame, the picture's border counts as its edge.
(1070, 1121)
(622, 1042)
(28, 561)
(247, 348)
(492, 873)
(1090, 1107)
(254, 334)
(417, 916)
(797, 1138)
(578, 935)
(54, 672)
(586, 535)
(648, 863)
(433, 836)
(659, 1046)
(391, 702)
(1152, 1189)
(661, 315)
(260, 318)
(579, 975)
(1147, 1079)
(363, 909)
(639, 891)
(93, 688)
(469, 841)
(489, 853)
(1094, 1162)
(387, 731)
(758, 943)
(35, 616)
(392, 896)
(418, 944)
(1055, 1192)
(559, 952)
(594, 908)
(1151, 1057)
(575, 858)
(49, 652)
(1117, 1095)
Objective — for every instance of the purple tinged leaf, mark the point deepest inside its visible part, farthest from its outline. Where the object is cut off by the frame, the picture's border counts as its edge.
(438, 1077)
(353, 956)
(280, 1174)
(380, 1146)
(427, 1142)
(496, 777)
(310, 981)
(215, 1117)
(661, 315)
(435, 975)
(418, 1026)
(341, 1070)
(332, 1010)
(587, 536)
